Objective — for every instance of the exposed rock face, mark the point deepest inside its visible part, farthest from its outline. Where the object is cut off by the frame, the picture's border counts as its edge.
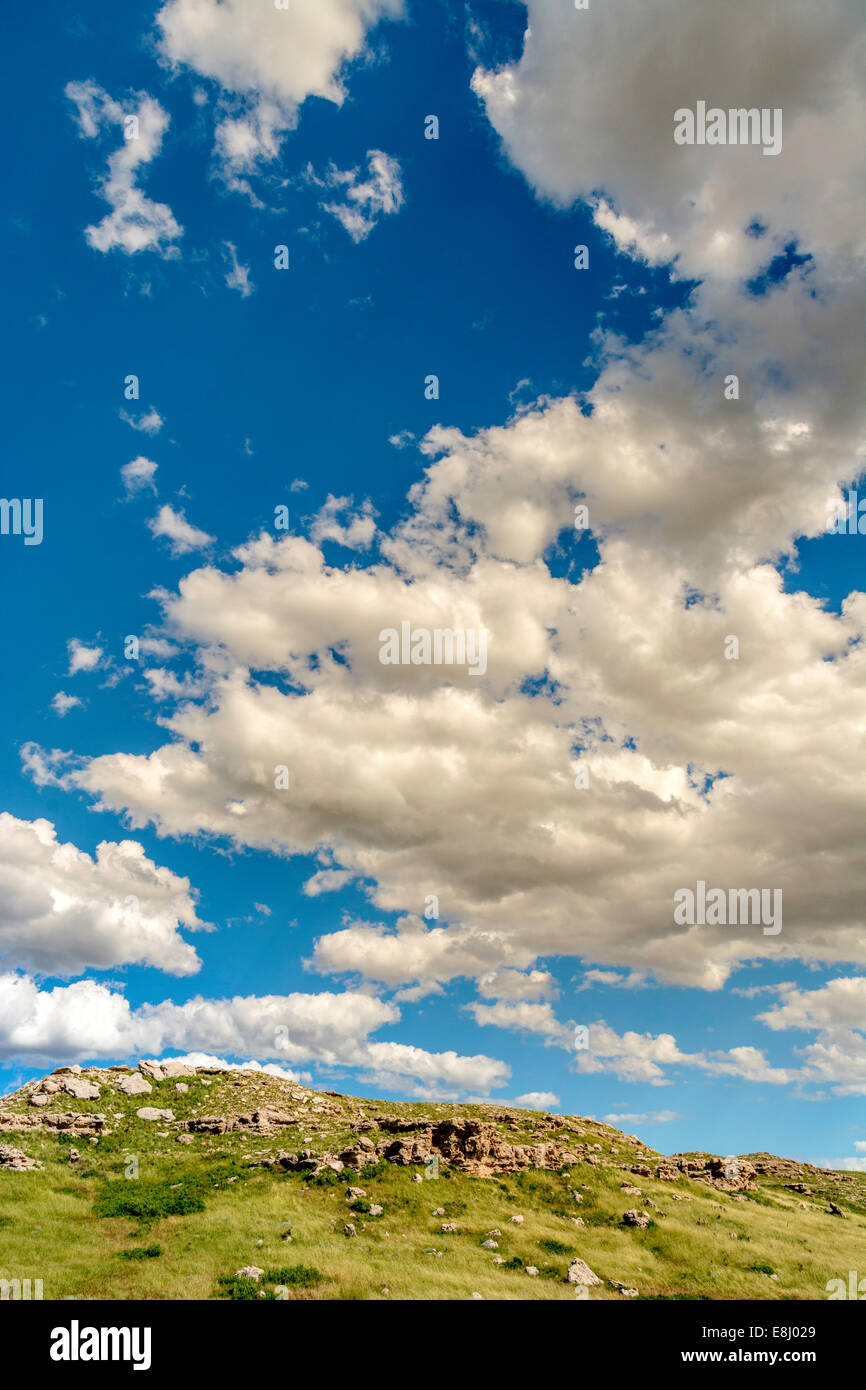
(731, 1174)
(80, 1088)
(67, 1121)
(15, 1160)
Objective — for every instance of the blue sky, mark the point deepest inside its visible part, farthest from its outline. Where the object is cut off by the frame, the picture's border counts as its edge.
(305, 388)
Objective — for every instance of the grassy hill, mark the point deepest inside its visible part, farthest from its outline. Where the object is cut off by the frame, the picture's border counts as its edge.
(246, 1173)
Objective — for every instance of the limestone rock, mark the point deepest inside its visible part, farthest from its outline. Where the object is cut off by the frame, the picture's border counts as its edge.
(134, 1085)
(579, 1272)
(16, 1160)
(81, 1088)
(632, 1217)
(150, 1112)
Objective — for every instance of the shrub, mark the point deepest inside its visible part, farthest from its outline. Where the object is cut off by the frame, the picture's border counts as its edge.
(142, 1252)
(148, 1201)
(295, 1276)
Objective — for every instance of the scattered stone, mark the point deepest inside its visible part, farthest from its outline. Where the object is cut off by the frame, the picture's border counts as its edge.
(135, 1085)
(150, 1112)
(153, 1070)
(184, 1139)
(375, 1209)
(349, 1229)
(498, 1260)
(249, 1272)
(490, 1245)
(181, 1086)
(440, 1211)
(448, 1227)
(531, 1270)
(631, 1191)
(38, 1098)
(175, 1068)
(493, 1233)
(416, 1177)
(836, 1211)
(74, 1156)
(477, 1295)
(355, 1192)
(580, 1273)
(517, 1220)
(632, 1217)
(578, 1221)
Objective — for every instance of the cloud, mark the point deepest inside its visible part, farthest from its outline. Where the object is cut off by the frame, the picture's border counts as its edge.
(651, 1117)
(515, 984)
(63, 912)
(356, 534)
(90, 1020)
(237, 276)
(63, 703)
(81, 657)
(135, 223)
(539, 1100)
(149, 422)
(138, 475)
(183, 536)
(266, 62)
(577, 134)
(365, 201)
(523, 1017)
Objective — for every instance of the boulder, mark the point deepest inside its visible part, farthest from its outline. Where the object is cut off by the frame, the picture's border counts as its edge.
(579, 1272)
(153, 1070)
(16, 1160)
(249, 1272)
(134, 1085)
(80, 1088)
(635, 1218)
(150, 1112)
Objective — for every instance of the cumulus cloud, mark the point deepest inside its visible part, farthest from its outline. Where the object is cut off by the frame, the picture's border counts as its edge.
(63, 911)
(63, 703)
(577, 134)
(539, 1100)
(650, 1117)
(266, 62)
(356, 532)
(181, 534)
(88, 1019)
(135, 223)
(138, 475)
(82, 657)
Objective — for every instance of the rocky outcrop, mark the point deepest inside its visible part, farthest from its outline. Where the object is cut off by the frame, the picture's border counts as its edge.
(15, 1160)
(72, 1122)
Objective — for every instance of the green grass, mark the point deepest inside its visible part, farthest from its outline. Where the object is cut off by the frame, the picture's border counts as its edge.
(208, 1212)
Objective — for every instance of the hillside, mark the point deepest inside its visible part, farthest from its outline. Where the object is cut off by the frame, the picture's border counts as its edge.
(165, 1181)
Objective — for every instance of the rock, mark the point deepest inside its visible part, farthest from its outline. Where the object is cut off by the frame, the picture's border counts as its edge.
(631, 1191)
(16, 1160)
(635, 1218)
(150, 1112)
(134, 1085)
(181, 1087)
(517, 1220)
(67, 1071)
(531, 1270)
(81, 1088)
(74, 1156)
(249, 1272)
(448, 1228)
(836, 1211)
(185, 1139)
(349, 1229)
(440, 1211)
(176, 1068)
(490, 1245)
(38, 1098)
(578, 1221)
(355, 1192)
(153, 1070)
(477, 1295)
(498, 1260)
(416, 1177)
(493, 1234)
(375, 1209)
(580, 1273)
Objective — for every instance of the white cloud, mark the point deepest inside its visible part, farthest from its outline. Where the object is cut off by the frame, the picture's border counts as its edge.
(81, 657)
(63, 703)
(237, 275)
(149, 421)
(135, 222)
(183, 536)
(266, 62)
(365, 200)
(62, 912)
(138, 475)
(574, 131)
(650, 1117)
(539, 1100)
(89, 1020)
(356, 534)
(517, 984)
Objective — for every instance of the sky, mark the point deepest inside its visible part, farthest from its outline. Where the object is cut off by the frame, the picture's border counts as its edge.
(331, 318)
